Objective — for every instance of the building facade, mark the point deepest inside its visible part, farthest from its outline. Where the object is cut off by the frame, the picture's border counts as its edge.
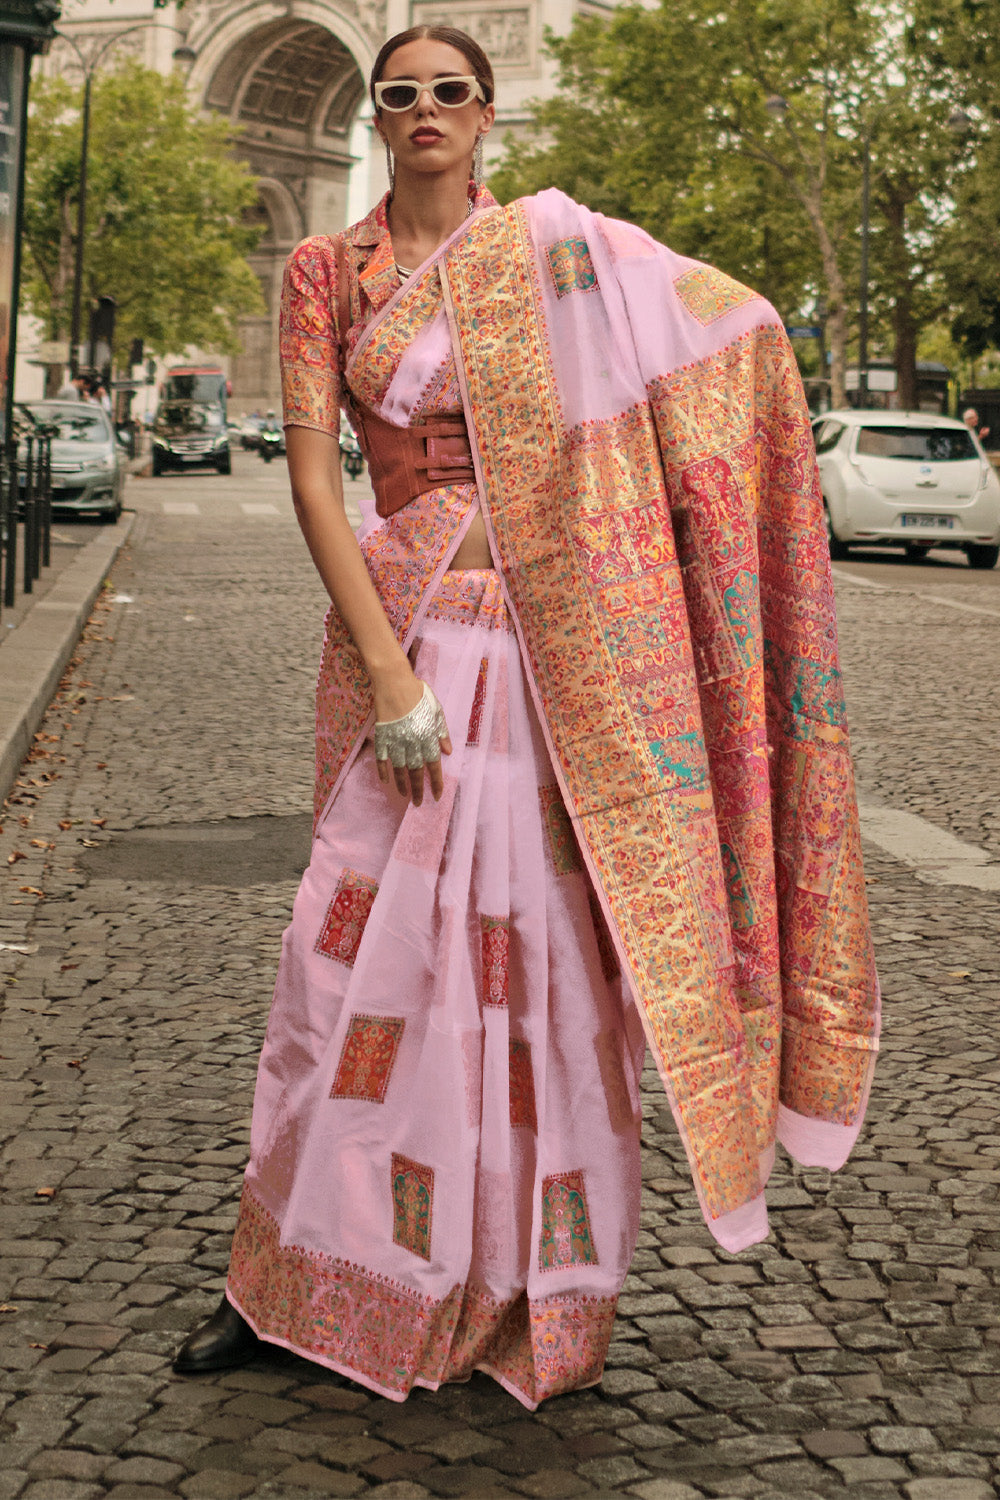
(291, 76)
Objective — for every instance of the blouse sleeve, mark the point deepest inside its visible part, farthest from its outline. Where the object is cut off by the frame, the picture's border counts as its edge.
(307, 341)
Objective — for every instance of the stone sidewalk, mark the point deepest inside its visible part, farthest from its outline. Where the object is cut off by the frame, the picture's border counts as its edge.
(150, 854)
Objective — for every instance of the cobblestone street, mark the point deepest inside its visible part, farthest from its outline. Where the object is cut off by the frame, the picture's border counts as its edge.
(150, 853)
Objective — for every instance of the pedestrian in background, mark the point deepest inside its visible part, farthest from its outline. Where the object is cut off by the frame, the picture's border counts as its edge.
(594, 614)
(74, 389)
(971, 419)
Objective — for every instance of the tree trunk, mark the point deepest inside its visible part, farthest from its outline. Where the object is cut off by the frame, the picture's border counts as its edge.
(903, 318)
(905, 328)
(836, 312)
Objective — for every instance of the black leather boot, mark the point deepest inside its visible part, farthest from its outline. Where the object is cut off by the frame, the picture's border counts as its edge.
(225, 1341)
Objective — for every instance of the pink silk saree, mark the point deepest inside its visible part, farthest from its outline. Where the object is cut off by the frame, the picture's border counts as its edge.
(648, 480)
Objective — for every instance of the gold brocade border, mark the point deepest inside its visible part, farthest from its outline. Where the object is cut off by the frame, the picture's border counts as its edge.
(391, 1335)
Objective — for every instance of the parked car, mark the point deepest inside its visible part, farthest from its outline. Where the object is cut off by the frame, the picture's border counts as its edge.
(88, 462)
(907, 479)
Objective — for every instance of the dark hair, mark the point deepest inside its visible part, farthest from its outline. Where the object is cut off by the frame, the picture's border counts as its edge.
(478, 62)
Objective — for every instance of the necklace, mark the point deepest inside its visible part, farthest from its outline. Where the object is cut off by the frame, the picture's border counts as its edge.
(405, 271)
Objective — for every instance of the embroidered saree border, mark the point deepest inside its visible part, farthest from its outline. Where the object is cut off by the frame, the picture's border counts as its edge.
(643, 536)
(393, 1337)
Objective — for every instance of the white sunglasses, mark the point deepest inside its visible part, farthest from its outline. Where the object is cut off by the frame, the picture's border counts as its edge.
(400, 94)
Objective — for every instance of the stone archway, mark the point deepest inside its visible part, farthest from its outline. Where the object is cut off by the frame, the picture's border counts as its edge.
(291, 80)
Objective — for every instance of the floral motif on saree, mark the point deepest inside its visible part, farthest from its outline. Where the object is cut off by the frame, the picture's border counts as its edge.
(496, 958)
(522, 1085)
(709, 294)
(562, 844)
(565, 1239)
(571, 267)
(367, 1057)
(412, 1205)
(344, 926)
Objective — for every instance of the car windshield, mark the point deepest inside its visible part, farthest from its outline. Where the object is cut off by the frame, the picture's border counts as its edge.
(938, 445)
(74, 426)
(190, 415)
(194, 386)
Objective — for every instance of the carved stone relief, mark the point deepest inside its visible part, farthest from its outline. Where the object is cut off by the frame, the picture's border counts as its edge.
(507, 33)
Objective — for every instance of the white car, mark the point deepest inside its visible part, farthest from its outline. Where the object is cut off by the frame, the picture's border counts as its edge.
(907, 479)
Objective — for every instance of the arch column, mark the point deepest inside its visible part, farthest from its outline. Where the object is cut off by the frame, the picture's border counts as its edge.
(291, 78)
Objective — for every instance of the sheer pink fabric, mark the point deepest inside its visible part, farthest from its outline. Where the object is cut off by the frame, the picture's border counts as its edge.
(444, 1167)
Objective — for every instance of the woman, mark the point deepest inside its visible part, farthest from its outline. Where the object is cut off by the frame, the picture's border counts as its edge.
(585, 451)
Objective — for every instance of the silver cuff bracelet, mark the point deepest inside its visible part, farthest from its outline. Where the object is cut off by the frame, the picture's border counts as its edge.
(415, 739)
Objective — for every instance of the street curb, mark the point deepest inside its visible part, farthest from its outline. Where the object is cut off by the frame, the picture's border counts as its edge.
(34, 655)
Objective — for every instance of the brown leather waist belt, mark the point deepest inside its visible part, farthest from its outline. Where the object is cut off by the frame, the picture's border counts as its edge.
(408, 461)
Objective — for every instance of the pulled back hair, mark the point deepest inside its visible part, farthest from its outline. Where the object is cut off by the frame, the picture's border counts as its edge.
(479, 63)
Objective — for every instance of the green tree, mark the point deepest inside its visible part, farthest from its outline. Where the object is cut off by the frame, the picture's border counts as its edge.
(961, 40)
(738, 134)
(167, 233)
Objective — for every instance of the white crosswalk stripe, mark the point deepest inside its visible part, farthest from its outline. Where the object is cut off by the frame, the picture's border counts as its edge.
(181, 508)
(251, 508)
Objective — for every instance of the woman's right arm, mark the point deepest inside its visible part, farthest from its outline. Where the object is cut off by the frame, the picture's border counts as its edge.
(318, 496)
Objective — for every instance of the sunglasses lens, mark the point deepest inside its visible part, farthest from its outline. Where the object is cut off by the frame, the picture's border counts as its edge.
(399, 96)
(452, 92)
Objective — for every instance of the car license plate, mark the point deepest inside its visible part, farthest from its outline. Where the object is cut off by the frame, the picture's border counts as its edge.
(939, 522)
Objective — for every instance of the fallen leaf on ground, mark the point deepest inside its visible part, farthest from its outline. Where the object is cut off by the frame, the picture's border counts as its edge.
(14, 856)
(31, 890)
(98, 822)
(45, 1192)
(8, 1307)
(33, 1345)
(959, 973)
(25, 949)
(75, 1062)
(65, 824)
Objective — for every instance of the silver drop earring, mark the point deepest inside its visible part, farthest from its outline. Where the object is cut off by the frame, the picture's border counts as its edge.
(477, 163)
(390, 169)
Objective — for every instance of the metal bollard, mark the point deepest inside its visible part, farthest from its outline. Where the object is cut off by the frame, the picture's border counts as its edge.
(8, 521)
(45, 509)
(30, 533)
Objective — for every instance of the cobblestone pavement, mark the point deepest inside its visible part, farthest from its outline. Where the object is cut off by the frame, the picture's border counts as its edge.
(150, 855)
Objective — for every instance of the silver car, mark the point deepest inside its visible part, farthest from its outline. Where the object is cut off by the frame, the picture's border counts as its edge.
(88, 464)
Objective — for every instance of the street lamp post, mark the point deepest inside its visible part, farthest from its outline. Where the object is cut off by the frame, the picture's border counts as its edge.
(89, 67)
(866, 191)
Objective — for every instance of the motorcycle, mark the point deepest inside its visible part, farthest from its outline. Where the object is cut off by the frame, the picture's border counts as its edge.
(271, 442)
(350, 451)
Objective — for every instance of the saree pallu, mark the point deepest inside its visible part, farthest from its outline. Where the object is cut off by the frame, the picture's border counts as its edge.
(444, 1170)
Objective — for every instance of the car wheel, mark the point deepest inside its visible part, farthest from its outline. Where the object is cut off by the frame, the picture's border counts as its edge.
(982, 556)
(915, 552)
(838, 550)
(157, 465)
(225, 465)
